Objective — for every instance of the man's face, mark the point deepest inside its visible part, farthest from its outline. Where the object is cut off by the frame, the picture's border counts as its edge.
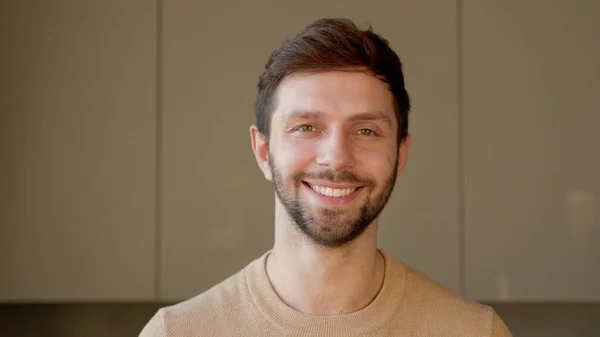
(333, 154)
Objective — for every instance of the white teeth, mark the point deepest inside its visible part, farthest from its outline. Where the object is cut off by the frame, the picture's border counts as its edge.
(332, 192)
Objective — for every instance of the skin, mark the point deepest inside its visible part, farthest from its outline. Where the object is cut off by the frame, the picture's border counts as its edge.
(332, 129)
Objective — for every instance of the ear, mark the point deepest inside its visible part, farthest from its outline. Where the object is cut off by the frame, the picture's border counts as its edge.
(261, 151)
(403, 152)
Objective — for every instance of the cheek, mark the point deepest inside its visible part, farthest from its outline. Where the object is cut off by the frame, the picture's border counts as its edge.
(377, 164)
(295, 156)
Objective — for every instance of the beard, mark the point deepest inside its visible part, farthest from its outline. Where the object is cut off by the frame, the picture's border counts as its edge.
(331, 227)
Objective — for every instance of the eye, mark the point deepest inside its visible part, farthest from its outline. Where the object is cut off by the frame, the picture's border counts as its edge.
(305, 128)
(367, 132)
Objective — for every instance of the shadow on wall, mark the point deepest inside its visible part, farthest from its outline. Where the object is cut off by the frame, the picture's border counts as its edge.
(70, 320)
(550, 319)
(127, 320)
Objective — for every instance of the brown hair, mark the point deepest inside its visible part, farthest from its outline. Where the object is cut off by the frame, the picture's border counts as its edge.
(326, 45)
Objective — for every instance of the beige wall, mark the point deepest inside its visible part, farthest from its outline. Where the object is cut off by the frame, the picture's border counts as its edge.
(531, 81)
(77, 150)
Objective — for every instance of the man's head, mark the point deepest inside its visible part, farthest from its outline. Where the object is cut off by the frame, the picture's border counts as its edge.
(332, 128)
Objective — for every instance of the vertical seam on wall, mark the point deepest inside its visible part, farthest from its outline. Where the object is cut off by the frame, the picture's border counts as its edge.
(158, 200)
(460, 148)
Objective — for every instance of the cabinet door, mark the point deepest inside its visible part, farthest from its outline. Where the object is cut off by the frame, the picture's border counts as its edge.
(218, 209)
(532, 156)
(77, 147)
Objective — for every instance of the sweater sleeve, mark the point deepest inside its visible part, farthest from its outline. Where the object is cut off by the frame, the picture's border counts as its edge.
(154, 327)
(499, 329)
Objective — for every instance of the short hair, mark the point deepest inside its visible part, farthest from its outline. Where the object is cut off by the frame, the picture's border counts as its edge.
(332, 44)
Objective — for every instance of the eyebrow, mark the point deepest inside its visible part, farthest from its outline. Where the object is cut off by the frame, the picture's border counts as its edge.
(372, 116)
(363, 116)
(303, 114)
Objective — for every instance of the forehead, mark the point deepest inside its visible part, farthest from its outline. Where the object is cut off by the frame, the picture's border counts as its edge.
(336, 94)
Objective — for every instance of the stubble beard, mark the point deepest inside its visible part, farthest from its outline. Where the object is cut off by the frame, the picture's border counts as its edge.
(331, 227)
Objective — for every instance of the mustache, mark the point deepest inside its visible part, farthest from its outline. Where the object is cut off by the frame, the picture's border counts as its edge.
(336, 177)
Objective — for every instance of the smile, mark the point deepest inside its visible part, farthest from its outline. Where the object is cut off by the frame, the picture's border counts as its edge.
(333, 192)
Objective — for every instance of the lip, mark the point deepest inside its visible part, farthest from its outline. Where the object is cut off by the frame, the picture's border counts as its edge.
(325, 200)
(332, 185)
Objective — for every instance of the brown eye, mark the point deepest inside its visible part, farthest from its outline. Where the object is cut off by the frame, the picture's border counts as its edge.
(306, 128)
(366, 132)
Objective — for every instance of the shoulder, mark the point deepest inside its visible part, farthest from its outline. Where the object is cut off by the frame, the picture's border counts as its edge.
(205, 312)
(449, 313)
(223, 296)
(422, 290)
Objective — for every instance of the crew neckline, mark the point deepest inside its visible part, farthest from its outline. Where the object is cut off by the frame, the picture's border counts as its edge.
(290, 321)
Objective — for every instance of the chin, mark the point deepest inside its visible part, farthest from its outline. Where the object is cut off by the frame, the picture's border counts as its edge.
(333, 233)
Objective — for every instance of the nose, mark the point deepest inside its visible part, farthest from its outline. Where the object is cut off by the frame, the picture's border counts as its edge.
(335, 151)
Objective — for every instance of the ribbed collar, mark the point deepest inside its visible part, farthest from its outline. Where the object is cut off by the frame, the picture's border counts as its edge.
(293, 322)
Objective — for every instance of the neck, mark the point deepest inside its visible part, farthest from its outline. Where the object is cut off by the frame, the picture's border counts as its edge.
(320, 280)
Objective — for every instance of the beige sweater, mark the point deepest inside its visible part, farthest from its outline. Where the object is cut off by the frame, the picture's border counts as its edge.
(408, 304)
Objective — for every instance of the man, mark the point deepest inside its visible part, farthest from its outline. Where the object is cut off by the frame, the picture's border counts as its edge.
(332, 135)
